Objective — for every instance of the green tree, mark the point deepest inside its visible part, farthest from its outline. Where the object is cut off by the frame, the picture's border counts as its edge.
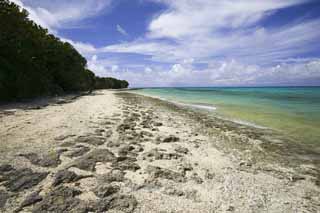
(35, 63)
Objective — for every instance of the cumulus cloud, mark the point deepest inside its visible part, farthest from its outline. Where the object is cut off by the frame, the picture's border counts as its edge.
(223, 29)
(57, 14)
(227, 36)
(218, 73)
(121, 30)
(186, 18)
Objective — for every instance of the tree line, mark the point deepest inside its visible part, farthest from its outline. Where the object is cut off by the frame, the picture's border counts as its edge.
(35, 63)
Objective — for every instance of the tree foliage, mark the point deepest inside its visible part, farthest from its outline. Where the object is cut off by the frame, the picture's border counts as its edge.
(36, 63)
(110, 83)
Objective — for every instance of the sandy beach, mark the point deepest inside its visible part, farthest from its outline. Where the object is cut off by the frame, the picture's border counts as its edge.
(115, 151)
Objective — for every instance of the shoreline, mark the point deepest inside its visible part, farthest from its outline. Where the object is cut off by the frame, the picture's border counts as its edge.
(270, 139)
(117, 151)
(201, 106)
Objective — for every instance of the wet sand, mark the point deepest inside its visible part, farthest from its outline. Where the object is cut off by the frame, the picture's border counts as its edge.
(120, 152)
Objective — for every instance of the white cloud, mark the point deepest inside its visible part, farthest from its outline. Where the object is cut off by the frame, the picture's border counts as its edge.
(114, 68)
(218, 73)
(121, 30)
(84, 48)
(56, 14)
(226, 35)
(255, 44)
(186, 18)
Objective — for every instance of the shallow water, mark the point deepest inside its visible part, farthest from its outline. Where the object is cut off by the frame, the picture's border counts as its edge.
(295, 111)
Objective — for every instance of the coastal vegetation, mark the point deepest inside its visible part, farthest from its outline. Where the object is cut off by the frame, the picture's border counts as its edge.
(34, 62)
(110, 83)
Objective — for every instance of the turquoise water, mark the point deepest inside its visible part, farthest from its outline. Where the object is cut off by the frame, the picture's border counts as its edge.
(295, 111)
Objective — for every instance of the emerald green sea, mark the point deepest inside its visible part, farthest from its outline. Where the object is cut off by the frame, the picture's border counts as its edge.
(294, 111)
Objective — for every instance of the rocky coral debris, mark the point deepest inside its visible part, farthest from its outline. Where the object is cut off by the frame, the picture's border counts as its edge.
(19, 180)
(181, 150)
(51, 159)
(78, 152)
(126, 163)
(114, 175)
(5, 168)
(170, 139)
(117, 203)
(61, 199)
(66, 176)
(92, 140)
(160, 154)
(31, 199)
(103, 191)
(158, 172)
(88, 161)
(4, 196)
(195, 177)
(173, 191)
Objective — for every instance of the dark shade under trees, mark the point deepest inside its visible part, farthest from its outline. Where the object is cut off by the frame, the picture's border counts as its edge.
(35, 63)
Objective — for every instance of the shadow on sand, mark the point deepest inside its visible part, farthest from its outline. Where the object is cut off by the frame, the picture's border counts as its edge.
(9, 108)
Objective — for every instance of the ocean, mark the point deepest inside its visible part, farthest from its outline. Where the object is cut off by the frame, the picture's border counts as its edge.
(293, 111)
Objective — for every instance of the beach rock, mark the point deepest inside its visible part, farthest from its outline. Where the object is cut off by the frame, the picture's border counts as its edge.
(145, 133)
(63, 137)
(158, 154)
(31, 199)
(126, 163)
(61, 199)
(125, 126)
(66, 176)
(114, 175)
(108, 133)
(295, 178)
(158, 172)
(208, 175)
(92, 140)
(79, 152)
(230, 209)
(195, 177)
(170, 139)
(116, 115)
(158, 124)
(69, 144)
(118, 203)
(4, 196)
(5, 168)
(51, 159)
(113, 144)
(173, 192)
(185, 167)
(99, 132)
(146, 124)
(103, 191)
(107, 123)
(192, 194)
(60, 151)
(125, 150)
(19, 180)
(181, 150)
(245, 163)
(88, 161)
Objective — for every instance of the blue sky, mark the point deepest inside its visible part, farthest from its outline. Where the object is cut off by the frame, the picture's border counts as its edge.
(190, 42)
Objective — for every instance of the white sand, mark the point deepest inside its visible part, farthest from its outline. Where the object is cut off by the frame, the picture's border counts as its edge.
(216, 182)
